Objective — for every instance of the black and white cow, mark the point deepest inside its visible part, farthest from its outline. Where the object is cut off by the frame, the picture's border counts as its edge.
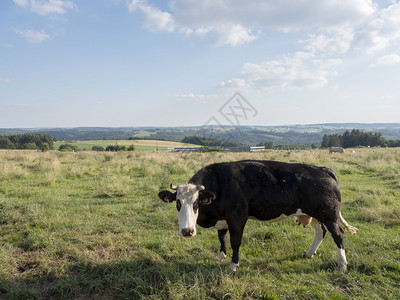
(226, 195)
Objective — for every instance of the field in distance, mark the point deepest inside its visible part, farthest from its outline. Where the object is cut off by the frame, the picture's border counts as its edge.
(140, 145)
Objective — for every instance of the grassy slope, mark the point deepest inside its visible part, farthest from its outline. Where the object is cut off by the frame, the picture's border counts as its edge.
(90, 226)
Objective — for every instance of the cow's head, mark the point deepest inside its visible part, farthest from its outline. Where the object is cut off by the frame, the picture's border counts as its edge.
(188, 198)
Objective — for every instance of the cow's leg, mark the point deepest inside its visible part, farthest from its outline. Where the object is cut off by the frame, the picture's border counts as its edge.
(235, 232)
(337, 234)
(223, 236)
(318, 237)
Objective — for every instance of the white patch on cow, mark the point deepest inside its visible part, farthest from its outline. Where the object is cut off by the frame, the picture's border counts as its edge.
(280, 218)
(283, 216)
(221, 256)
(221, 224)
(187, 194)
(233, 266)
(342, 262)
(318, 237)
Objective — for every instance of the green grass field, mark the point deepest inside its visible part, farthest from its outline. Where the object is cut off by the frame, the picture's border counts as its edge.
(140, 145)
(89, 225)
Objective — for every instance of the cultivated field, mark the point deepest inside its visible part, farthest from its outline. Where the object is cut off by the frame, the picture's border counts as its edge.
(90, 226)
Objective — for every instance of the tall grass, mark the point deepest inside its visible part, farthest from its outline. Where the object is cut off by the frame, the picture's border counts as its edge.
(90, 226)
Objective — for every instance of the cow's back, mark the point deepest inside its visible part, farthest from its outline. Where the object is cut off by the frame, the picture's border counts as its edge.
(267, 189)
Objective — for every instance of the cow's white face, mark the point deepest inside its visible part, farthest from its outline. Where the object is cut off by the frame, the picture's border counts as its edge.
(187, 208)
(188, 198)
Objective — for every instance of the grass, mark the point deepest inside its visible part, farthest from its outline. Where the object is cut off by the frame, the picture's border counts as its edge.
(90, 226)
(140, 145)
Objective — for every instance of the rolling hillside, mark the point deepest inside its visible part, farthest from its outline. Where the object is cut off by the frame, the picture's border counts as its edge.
(249, 135)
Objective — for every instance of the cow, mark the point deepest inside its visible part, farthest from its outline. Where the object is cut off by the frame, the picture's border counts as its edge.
(336, 149)
(225, 195)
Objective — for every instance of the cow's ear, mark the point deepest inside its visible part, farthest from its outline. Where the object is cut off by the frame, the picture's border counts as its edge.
(167, 196)
(206, 197)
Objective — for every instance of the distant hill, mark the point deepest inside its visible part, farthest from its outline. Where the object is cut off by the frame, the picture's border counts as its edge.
(248, 135)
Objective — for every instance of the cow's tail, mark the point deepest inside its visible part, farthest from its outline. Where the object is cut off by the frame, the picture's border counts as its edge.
(346, 225)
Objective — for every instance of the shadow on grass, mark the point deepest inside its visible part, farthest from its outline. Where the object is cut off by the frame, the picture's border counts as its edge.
(150, 276)
(136, 279)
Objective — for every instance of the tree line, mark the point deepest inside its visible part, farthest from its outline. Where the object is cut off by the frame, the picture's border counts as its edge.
(32, 141)
(209, 142)
(357, 138)
(110, 148)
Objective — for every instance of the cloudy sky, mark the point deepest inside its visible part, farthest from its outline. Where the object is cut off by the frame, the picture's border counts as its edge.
(178, 62)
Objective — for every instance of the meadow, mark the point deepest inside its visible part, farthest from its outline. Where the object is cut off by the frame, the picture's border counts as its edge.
(89, 225)
(140, 145)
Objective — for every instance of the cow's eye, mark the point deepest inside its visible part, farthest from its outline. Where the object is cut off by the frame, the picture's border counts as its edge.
(178, 205)
(195, 206)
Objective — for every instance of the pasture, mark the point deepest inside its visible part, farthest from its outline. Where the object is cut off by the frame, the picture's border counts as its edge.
(140, 145)
(89, 225)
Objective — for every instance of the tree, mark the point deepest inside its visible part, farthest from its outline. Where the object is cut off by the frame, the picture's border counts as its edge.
(353, 139)
(335, 141)
(97, 148)
(5, 143)
(209, 142)
(325, 141)
(45, 147)
(26, 141)
(30, 146)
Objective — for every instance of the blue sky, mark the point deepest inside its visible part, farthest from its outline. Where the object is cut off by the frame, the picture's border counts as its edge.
(177, 62)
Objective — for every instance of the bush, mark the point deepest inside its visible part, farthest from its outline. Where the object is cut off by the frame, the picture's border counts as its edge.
(116, 148)
(68, 147)
(30, 146)
(97, 148)
(45, 147)
(112, 148)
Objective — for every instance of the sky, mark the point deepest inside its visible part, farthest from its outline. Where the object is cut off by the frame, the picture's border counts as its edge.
(117, 63)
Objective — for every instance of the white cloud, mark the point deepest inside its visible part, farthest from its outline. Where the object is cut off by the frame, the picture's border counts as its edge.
(228, 34)
(284, 15)
(192, 96)
(234, 35)
(45, 7)
(341, 24)
(389, 59)
(380, 31)
(33, 36)
(155, 18)
(237, 84)
(285, 73)
(234, 22)
(334, 28)
(23, 3)
(302, 69)
(334, 41)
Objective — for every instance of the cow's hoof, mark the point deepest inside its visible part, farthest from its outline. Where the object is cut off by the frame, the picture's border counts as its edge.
(309, 255)
(233, 266)
(342, 268)
(221, 256)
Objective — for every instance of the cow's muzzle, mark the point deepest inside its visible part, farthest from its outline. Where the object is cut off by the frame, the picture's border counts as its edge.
(187, 232)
